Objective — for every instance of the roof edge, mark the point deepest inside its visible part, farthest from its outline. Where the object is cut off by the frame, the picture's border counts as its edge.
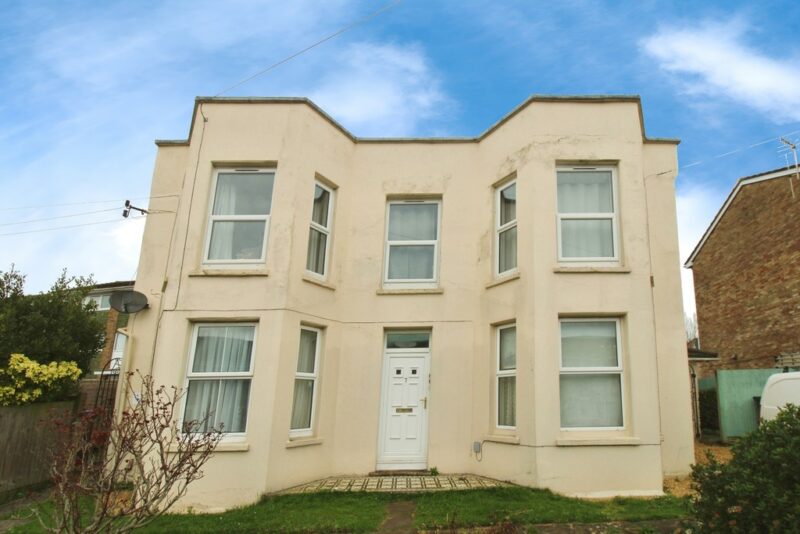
(591, 99)
(780, 172)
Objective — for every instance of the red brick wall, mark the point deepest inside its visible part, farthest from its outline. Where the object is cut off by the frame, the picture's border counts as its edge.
(747, 279)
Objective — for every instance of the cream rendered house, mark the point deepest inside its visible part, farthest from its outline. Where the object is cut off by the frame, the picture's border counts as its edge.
(507, 305)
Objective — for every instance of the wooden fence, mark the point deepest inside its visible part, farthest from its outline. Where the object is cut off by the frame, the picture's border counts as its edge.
(26, 436)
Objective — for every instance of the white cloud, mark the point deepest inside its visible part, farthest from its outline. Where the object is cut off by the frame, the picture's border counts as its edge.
(696, 206)
(381, 90)
(714, 59)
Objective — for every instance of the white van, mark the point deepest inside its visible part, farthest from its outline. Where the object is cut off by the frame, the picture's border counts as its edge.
(780, 389)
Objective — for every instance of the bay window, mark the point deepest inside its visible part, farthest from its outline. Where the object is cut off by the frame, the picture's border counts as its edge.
(507, 376)
(506, 228)
(305, 382)
(320, 231)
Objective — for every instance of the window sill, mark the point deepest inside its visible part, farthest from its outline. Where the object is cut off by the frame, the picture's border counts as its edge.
(302, 442)
(411, 291)
(597, 442)
(229, 272)
(223, 446)
(502, 280)
(510, 440)
(318, 282)
(592, 269)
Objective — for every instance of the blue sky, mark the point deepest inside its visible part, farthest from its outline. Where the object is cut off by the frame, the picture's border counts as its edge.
(86, 87)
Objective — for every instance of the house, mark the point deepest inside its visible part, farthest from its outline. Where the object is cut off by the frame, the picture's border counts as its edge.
(114, 341)
(746, 271)
(507, 305)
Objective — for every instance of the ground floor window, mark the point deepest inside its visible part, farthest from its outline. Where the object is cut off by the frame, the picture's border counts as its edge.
(305, 382)
(507, 376)
(219, 377)
(591, 374)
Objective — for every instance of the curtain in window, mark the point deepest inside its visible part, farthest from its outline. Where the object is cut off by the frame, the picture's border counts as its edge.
(507, 401)
(308, 351)
(508, 349)
(507, 251)
(319, 214)
(220, 404)
(589, 344)
(240, 194)
(591, 401)
(585, 192)
(317, 243)
(223, 349)
(303, 399)
(413, 222)
(411, 262)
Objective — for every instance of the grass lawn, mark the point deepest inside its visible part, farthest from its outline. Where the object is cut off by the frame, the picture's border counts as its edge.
(364, 512)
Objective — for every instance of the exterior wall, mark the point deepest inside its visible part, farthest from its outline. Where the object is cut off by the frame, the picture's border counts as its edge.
(747, 279)
(355, 311)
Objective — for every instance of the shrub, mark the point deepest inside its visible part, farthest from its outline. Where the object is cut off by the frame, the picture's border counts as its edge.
(759, 490)
(26, 381)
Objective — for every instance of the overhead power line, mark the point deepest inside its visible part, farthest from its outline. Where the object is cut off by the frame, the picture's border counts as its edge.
(29, 221)
(359, 22)
(108, 221)
(82, 203)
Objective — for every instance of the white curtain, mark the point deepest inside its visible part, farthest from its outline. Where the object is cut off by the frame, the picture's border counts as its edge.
(301, 407)
(508, 204)
(220, 404)
(507, 401)
(308, 351)
(411, 262)
(508, 348)
(585, 192)
(587, 238)
(413, 222)
(589, 344)
(591, 400)
(223, 349)
(319, 214)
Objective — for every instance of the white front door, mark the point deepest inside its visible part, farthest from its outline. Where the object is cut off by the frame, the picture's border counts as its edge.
(404, 410)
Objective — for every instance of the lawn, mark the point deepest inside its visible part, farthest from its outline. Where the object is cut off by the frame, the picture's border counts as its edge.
(364, 512)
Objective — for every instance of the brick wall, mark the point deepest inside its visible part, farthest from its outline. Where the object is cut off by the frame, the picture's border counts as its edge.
(747, 279)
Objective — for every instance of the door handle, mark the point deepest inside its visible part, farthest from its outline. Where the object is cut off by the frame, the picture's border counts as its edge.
(424, 402)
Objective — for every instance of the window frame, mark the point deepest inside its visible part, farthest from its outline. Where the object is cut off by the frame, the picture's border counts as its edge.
(190, 375)
(592, 371)
(504, 373)
(98, 299)
(415, 282)
(211, 218)
(613, 216)
(306, 432)
(501, 228)
(327, 231)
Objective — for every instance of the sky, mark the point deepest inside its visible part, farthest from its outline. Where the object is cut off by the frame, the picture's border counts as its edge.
(85, 88)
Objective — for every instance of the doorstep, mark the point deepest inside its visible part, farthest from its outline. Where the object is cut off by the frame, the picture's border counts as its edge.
(396, 483)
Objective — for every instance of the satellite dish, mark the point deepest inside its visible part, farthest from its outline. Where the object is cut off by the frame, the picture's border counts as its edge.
(128, 301)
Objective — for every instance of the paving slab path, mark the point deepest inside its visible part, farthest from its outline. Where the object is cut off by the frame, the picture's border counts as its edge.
(398, 484)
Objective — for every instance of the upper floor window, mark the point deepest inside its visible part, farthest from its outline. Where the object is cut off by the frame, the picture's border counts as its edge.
(591, 374)
(320, 232)
(412, 242)
(103, 302)
(219, 376)
(587, 214)
(239, 220)
(506, 228)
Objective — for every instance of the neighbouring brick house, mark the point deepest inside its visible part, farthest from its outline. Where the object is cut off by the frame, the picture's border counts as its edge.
(114, 343)
(746, 273)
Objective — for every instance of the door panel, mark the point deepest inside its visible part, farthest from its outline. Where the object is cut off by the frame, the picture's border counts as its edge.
(404, 415)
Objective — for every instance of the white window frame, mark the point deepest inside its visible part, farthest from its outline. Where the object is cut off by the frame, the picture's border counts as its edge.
(305, 432)
(98, 299)
(501, 374)
(226, 436)
(500, 228)
(612, 216)
(417, 282)
(616, 370)
(237, 218)
(327, 231)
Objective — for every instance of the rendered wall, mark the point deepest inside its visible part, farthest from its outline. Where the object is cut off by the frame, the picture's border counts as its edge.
(354, 309)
